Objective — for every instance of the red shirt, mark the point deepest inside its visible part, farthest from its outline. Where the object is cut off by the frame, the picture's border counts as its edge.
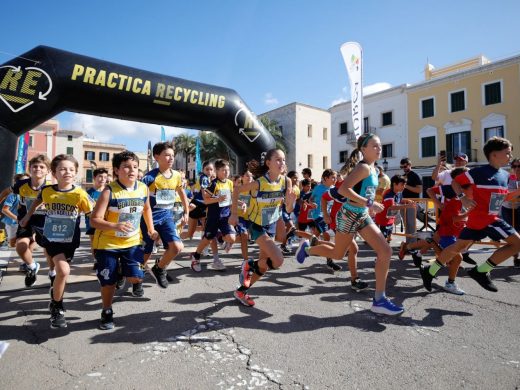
(452, 208)
(335, 206)
(390, 199)
(489, 187)
(303, 217)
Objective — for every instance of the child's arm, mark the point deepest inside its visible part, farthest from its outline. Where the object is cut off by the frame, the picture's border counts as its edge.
(8, 213)
(97, 218)
(324, 210)
(253, 186)
(290, 196)
(30, 212)
(513, 194)
(467, 203)
(148, 219)
(210, 199)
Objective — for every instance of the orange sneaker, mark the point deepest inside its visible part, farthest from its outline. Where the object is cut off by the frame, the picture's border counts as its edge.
(243, 298)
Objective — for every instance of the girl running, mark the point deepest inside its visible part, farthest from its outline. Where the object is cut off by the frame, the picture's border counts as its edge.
(268, 192)
(359, 190)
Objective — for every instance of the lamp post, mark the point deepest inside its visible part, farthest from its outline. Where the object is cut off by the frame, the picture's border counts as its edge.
(385, 165)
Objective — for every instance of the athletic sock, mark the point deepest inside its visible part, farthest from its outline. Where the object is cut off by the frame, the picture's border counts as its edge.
(242, 289)
(435, 267)
(307, 250)
(486, 267)
(378, 295)
(197, 255)
(451, 281)
(52, 273)
(32, 266)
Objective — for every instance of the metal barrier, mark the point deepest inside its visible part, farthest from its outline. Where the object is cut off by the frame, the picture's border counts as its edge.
(427, 206)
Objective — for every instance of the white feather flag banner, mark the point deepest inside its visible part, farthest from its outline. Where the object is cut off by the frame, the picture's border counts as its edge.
(353, 57)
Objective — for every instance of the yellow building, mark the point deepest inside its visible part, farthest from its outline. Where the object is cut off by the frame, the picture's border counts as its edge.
(458, 107)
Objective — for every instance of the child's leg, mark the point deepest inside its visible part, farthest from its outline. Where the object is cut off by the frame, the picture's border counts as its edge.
(453, 267)
(270, 257)
(62, 272)
(353, 250)
(373, 236)
(24, 248)
(230, 238)
(204, 242)
(337, 251)
(505, 252)
(244, 241)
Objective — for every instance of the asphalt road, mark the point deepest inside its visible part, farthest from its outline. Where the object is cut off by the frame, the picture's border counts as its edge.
(308, 330)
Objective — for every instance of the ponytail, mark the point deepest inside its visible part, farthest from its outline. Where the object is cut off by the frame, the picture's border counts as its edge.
(354, 157)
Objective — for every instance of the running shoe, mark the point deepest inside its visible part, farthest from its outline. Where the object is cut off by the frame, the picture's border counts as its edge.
(417, 259)
(402, 251)
(30, 275)
(426, 277)
(301, 254)
(359, 285)
(467, 259)
(453, 288)
(57, 315)
(246, 272)
(516, 263)
(483, 279)
(120, 282)
(154, 249)
(137, 290)
(285, 250)
(218, 265)
(107, 319)
(334, 267)
(22, 268)
(243, 298)
(195, 264)
(159, 274)
(385, 306)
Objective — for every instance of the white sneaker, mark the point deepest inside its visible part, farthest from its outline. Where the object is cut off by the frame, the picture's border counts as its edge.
(453, 288)
(218, 265)
(195, 264)
(154, 249)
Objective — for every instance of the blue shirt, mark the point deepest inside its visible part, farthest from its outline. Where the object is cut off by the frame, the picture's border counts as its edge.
(317, 193)
(12, 202)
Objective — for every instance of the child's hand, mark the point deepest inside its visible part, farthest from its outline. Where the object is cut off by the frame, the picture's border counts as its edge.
(125, 227)
(153, 234)
(312, 205)
(185, 218)
(376, 207)
(233, 220)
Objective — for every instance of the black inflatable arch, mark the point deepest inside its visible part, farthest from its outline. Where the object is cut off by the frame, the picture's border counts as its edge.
(46, 81)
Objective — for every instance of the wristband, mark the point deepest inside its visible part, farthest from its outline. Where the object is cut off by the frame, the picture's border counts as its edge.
(461, 195)
(370, 202)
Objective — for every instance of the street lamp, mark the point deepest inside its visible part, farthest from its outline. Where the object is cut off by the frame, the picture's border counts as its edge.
(385, 165)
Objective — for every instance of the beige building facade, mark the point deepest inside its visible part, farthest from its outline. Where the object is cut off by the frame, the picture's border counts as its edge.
(307, 134)
(97, 155)
(459, 107)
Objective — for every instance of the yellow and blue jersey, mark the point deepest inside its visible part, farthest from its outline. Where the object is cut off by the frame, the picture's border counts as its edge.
(62, 212)
(266, 202)
(28, 195)
(218, 188)
(245, 197)
(163, 192)
(124, 205)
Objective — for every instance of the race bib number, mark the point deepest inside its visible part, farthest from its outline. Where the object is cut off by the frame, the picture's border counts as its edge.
(245, 199)
(134, 219)
(495, 203)
(270, 215)
(59, 229)
(392, 213)
(178, 212)
(165, 199)
(226, 202)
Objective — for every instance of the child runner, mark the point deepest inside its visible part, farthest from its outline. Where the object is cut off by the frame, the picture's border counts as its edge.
(164, 185)
(64, 202)
(489, 190)
(511, 210)
(28, 190)
(10, 219)
(393, 202)
(290, 229)
(116, 218)
(100, 181)
(268, 192)
(359, 187)
(244, 201)
(218, 199)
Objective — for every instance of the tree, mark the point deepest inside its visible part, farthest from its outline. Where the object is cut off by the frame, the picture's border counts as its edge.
(185, 143)
(212, 148)
(274, 129)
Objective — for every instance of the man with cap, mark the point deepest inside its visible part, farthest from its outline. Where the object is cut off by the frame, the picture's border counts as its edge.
(444, 177)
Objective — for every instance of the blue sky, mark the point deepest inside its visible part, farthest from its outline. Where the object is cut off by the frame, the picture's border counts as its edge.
(271, 52)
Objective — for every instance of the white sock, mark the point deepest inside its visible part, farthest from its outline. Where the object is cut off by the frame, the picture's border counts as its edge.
(52, 273)
(32, 265)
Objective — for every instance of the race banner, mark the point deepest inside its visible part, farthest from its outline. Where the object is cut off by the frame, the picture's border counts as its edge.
(353, 58)
(21, 159)
(198, 162)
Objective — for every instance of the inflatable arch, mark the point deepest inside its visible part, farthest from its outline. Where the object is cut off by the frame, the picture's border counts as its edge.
(45, 81)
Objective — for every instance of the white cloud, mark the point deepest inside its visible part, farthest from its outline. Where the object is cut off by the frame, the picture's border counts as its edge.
(367, 90)
(135, 135)
(270, 100)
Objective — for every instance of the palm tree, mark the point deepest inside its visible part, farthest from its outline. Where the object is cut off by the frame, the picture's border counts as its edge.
(185, 143)
(211, 147)
(273, 128)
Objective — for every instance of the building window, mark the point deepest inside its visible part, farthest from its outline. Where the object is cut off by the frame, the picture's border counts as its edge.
(365, 124)
(458, 143)
(70, 151)
(325, 162)
(88, 176)
(309, 161)
(492, 93)
(104, 156)
(388, 151)
(497, 131)
(427, 108)
(386, 118)
(90, 155)
(309, 130)
(69, 138)
(343, 128)
(457, 101)
(325, 135)
(30, 140)
(428, 146)
(343, 156)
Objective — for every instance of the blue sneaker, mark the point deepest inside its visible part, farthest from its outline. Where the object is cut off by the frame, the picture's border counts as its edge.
(301, 254)
(385, 306)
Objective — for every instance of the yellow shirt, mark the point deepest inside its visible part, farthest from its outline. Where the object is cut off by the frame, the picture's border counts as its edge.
(266, 202)
(125, 205)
